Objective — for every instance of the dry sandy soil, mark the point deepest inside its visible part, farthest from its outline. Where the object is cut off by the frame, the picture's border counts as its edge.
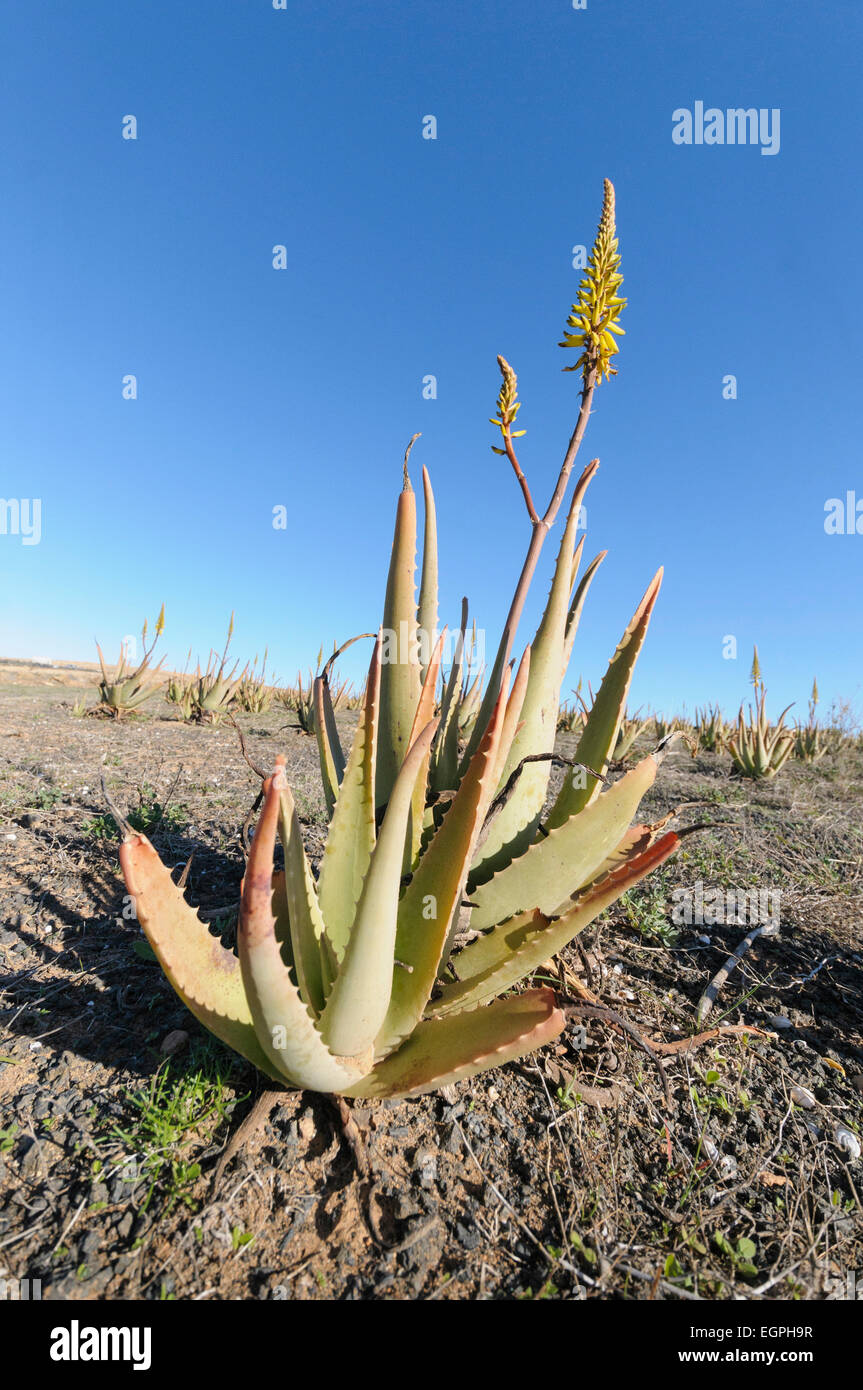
(591, 1170)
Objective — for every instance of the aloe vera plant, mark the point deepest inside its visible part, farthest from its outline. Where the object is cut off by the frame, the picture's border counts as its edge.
(759, 749)
(361, 981)
(662, 727)
(214, 691)
(253, 694)
(808, 743)
(570, 719)
(124, 689)
(342, 984)
(710, 731)
(629, 731)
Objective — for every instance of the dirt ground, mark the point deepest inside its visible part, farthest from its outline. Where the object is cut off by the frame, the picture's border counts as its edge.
(593, 1169)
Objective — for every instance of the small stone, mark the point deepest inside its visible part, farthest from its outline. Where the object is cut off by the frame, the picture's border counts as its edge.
(124, 1225)
(844, 1139)
(32, 1164)
(425, 1163)
(173, 1042)
(803, 1097)
(468, 1236)
(779, 1021)
(90, 1244)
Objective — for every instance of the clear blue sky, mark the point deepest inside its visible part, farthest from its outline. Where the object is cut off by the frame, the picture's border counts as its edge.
(409, 257)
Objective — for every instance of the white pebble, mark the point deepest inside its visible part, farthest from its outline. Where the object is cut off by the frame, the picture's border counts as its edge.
(845, 1139)
(801, 1096)
(35, 1046)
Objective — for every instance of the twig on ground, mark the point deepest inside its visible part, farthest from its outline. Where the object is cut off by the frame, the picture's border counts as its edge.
(708, 998)
(602, 1011)
(668, 1049)
(257, 1116)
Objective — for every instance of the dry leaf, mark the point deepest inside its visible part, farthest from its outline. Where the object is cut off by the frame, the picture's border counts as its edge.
(772, 1179)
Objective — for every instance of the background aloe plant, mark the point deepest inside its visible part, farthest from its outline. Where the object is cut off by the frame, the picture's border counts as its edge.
(348, 983)
(214, 691)
(253, 694)
(627, 734)
(808, 743)
(710, 730)
(758, 749)
(125, 689)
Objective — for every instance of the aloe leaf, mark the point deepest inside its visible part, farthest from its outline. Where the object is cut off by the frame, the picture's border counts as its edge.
(553, 868)
(280, 912)
(427, 612)
(600, 731)
(351, 836)
(205, 976)
(515, 826)
(444, 773)
(442, 1052)
(425, 712)
(504, 956)
(634, 842)
(574, 616)
(400, 673)
(285, 1028)
(360, 997)
(429, 904)
(329, 746)
(314, 965)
